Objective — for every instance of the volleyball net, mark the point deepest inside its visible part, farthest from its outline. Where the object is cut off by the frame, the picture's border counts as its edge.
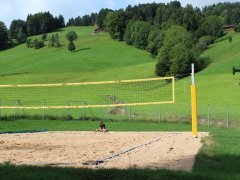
(88, 94)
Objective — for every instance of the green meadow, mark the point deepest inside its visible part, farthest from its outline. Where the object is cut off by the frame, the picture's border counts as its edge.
(99, 58)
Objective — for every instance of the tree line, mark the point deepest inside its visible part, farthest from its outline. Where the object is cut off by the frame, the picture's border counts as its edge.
(19, 30)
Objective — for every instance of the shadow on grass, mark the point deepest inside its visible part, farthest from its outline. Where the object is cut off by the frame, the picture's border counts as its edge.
(206, 167)
(221, 165)
(220, 155)
(9, 171)
(13, 74)
(222, 39)
(82, 49)
(59, 30)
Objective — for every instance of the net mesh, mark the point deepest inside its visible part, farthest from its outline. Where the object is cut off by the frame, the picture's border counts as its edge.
(89, 94)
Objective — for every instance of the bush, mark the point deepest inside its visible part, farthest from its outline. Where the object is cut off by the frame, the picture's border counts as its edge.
(204, 42)
(56, 41)
(44, 37)
(71, 46)
(38, 44)
(28, 43)
(237, 28)
(51, 41)
(72, 36)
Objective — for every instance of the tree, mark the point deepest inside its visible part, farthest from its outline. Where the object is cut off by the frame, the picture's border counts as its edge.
(162, 67)
(18, 31)
(100, 20)
(56, 41)
(36, 44)
(139, 34)
(71, 36)
(51, 41)
(212, 26)
(3, 36)
(116, 24)
(28, 43)
(21, 36)
(237, 28)
(93, 18)
(77, 21)
(86, 20)
(44, 36)
(71, 46)
(155, 40)
(174, 57)
(43, 22)
(190, 18)
(71, 22)
(60, 21)
(128, 32)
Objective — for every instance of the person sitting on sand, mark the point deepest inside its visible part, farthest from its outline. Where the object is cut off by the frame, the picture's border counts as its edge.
(102, 127)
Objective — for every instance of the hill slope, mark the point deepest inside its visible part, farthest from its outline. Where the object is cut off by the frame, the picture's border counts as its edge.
(216, 84)
(97, 57)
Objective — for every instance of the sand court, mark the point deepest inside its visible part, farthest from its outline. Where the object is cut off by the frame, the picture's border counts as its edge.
(155, 150)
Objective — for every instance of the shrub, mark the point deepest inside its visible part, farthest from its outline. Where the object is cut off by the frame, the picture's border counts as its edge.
(71, 46)
(38, 44)
(28, 43)
(44, 37)
(204, 42)
(237, 28)
(72, 36)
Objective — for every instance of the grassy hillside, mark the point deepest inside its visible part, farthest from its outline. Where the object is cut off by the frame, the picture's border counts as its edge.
(99, 58)
(217, 88)
(216, 83)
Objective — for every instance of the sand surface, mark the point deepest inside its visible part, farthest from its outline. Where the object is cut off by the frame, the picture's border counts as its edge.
(155, 150)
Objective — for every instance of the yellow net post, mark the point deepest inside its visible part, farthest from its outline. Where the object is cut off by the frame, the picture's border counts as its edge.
(194, 106)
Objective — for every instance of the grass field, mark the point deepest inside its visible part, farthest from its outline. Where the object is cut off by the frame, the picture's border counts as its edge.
(98, 58)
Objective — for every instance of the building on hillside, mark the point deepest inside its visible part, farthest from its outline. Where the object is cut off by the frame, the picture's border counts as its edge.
(100, 30)
(228, 28)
